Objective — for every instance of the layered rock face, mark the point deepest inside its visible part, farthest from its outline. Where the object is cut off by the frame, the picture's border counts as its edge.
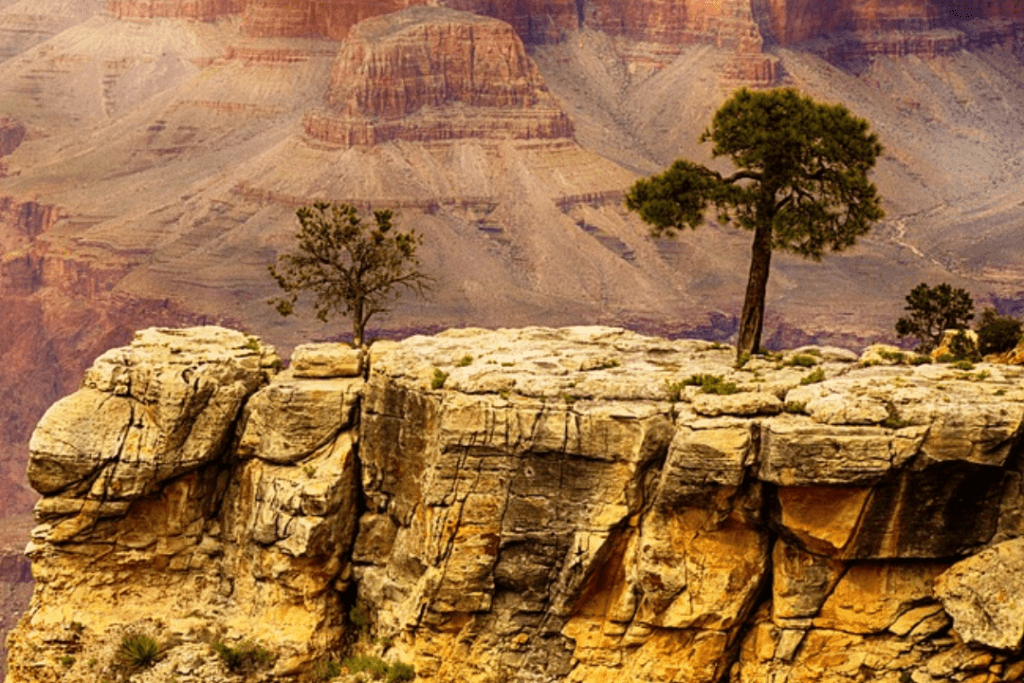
(859, 30)
(435, 74)
(579, 504)
(201, 10)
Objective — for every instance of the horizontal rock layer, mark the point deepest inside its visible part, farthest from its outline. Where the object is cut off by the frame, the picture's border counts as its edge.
(583, 504)
(201, 10)
(736, 23)
(435, 74)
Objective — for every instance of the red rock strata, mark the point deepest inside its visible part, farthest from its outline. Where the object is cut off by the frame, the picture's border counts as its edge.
(435, 74)
(309, 18)
(794, 21)
(201, 10)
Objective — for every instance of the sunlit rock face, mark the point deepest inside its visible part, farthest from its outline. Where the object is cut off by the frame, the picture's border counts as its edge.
(577, 504)
(435, 74)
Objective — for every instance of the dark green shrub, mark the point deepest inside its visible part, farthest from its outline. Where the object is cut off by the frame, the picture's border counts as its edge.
(997, 333)
(893, 356)
(400, 671)
(934, 310)
(712, 384)
(245, 657)
(962, 348)
(814, 377)
(803, 360)
(376, 667)
(438, 379)
(464, 361)
(326, 669)
(139, 651)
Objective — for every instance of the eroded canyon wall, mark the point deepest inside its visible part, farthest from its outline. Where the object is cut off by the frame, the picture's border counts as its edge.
(531, 505)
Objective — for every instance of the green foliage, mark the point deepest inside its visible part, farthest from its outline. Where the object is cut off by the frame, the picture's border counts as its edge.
(963, 365)
(932, 310)
(712, 384)
(464, 361)
(139, 651)
(245, 657)
(376, 667)
(326, 669)
(400, 671)
(920, 360)
(997, 333)
(814, 377)
(945, 358)
(348, 266)
(674, 389)
(310, 471)
(894, 422)
(893, 356)
(439, 378)
(801, 185)
(795, 407)
(803, 361)
(67, 661)
(962, 347)
(252, 343)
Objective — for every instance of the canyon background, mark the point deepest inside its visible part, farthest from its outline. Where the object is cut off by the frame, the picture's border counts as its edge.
(152, 154)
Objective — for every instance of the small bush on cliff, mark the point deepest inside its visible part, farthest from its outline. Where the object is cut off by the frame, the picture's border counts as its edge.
(814, 377)
(350, 267)
(326, 669)
(932, 311)
(376, 667)
(245, 657)
(139, 651)
(400, 671)
(997, 333)
(712, 384)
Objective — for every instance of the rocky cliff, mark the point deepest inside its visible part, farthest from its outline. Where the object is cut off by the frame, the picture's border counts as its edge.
(579, 504)
(431, 74)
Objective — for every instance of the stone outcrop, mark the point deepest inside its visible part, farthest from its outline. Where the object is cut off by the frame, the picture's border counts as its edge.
(435, 74)
(579, 504)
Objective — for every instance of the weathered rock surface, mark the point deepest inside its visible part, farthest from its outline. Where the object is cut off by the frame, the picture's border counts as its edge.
(210, 504)
(429, 73)
(979, 594)
(532, 505)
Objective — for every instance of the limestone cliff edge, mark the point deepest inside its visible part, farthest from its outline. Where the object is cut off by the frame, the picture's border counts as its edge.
(577, 504)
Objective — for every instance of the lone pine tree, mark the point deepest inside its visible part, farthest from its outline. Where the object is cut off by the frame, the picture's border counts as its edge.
(801, 185)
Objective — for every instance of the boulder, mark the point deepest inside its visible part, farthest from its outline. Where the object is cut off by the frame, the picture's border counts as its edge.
(984, 595)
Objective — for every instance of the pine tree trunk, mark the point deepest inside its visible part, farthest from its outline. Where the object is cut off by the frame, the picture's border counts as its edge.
(358, 324)
(752, 318)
